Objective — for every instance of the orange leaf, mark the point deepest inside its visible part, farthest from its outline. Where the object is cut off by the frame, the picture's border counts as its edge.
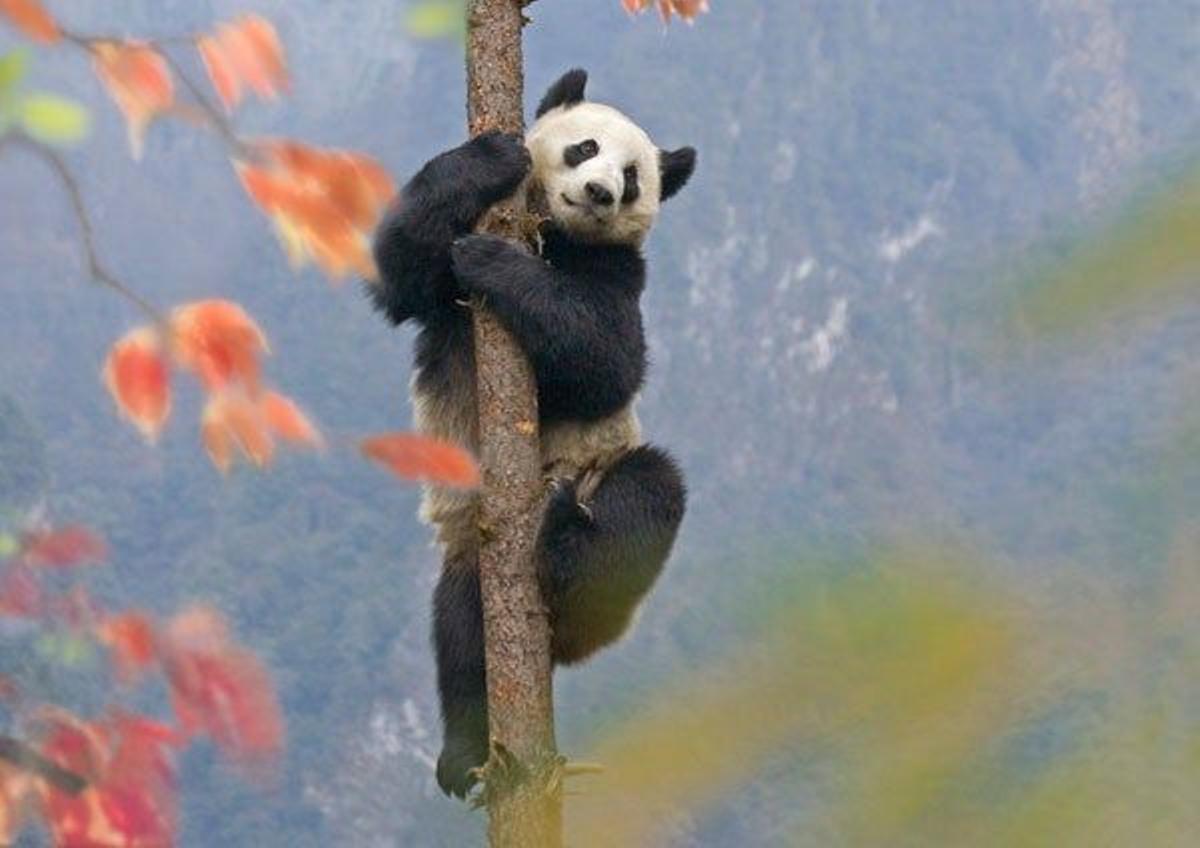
(255, 54)
(130, 636)
(137, 377)
(64, 547)
(324, 203)
(31, 19)
(138, 79)
(218, 441)
(415, 457)
(243, 423)
(686, 9)
(221, 71)
(268, 53)
(287, 421)
(219, 342)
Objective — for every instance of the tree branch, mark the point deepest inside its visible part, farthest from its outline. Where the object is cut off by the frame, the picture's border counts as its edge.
(95, 267)
(522, 779)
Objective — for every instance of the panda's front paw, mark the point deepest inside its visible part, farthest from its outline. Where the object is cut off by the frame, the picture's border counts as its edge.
(499, 162)
(456, 766)
(477, 260)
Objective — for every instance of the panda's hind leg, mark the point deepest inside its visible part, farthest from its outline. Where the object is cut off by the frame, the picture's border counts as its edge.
(462, 684)
(599, 558)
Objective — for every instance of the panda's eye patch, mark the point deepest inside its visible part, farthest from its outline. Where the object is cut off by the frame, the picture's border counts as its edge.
(577, 154)
(632, 191)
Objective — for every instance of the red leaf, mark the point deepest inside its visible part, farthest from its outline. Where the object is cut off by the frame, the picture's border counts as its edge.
(218, 441)
(63, 548)
(232, 418)
(131, 638)
(138, 79)
(220, 689)
(21, 593)
(686, 9)
(254, 53)
(31, 19)
(267, 52)
(219, 342)
(287, 421)
(414, 457)
(17, 789)
(130, 797)
(137, 377)
(221, 71)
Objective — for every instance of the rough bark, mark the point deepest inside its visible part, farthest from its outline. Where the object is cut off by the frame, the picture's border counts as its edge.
(522, 776)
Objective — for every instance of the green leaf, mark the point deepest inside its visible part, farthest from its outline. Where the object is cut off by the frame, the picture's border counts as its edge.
(53, 119)
(432, 19)
(8, 545)
(12, 70)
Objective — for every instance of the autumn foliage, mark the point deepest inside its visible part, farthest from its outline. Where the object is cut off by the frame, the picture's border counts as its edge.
(136, 76)
(31, 19)
(126, 761)
(244, 54)
(414, 457)
(686, 9)
(221, 345)
(324, 203)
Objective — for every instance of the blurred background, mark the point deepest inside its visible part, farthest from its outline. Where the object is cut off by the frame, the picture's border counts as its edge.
(924, 330)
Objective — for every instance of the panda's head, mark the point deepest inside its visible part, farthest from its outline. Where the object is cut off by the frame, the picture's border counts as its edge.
(602, 176)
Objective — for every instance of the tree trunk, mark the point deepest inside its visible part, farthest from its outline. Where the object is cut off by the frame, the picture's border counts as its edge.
(522, 776)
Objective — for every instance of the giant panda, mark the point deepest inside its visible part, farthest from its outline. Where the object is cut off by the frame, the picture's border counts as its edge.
(614, 503)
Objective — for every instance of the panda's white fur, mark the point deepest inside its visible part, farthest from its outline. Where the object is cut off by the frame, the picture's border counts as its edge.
(572, 449)
(622, 143)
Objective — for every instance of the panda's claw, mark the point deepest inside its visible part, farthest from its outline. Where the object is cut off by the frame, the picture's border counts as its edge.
(565, 510)
(458, 766)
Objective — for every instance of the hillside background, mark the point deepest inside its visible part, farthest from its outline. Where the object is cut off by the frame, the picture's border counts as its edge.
(824, 308)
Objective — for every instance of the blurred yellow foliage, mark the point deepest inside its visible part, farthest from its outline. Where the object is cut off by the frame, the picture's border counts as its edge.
(919, 679)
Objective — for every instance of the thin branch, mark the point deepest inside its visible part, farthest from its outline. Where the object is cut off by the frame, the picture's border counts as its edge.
(95, 267)
(214, 117)
(27, 759)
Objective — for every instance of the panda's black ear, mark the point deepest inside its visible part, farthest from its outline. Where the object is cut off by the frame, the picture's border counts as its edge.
(675, 167)
(566, 92)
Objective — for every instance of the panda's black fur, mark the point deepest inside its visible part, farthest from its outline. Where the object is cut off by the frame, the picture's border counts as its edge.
(615, 504)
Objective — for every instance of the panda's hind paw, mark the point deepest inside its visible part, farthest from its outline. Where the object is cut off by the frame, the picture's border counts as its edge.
(459, 764)
(565, 509)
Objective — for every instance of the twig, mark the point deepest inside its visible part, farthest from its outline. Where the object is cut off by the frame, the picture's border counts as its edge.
(216, 120)
(95, 267)
(26, 758)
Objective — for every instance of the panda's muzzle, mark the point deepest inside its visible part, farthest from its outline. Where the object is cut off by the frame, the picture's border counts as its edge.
(595, 209)
(598, 194)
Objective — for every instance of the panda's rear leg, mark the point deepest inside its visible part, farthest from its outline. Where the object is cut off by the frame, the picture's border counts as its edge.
(599, 558)
(462, 682)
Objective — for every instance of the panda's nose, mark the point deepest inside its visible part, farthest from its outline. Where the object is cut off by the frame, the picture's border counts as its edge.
(599, 194)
